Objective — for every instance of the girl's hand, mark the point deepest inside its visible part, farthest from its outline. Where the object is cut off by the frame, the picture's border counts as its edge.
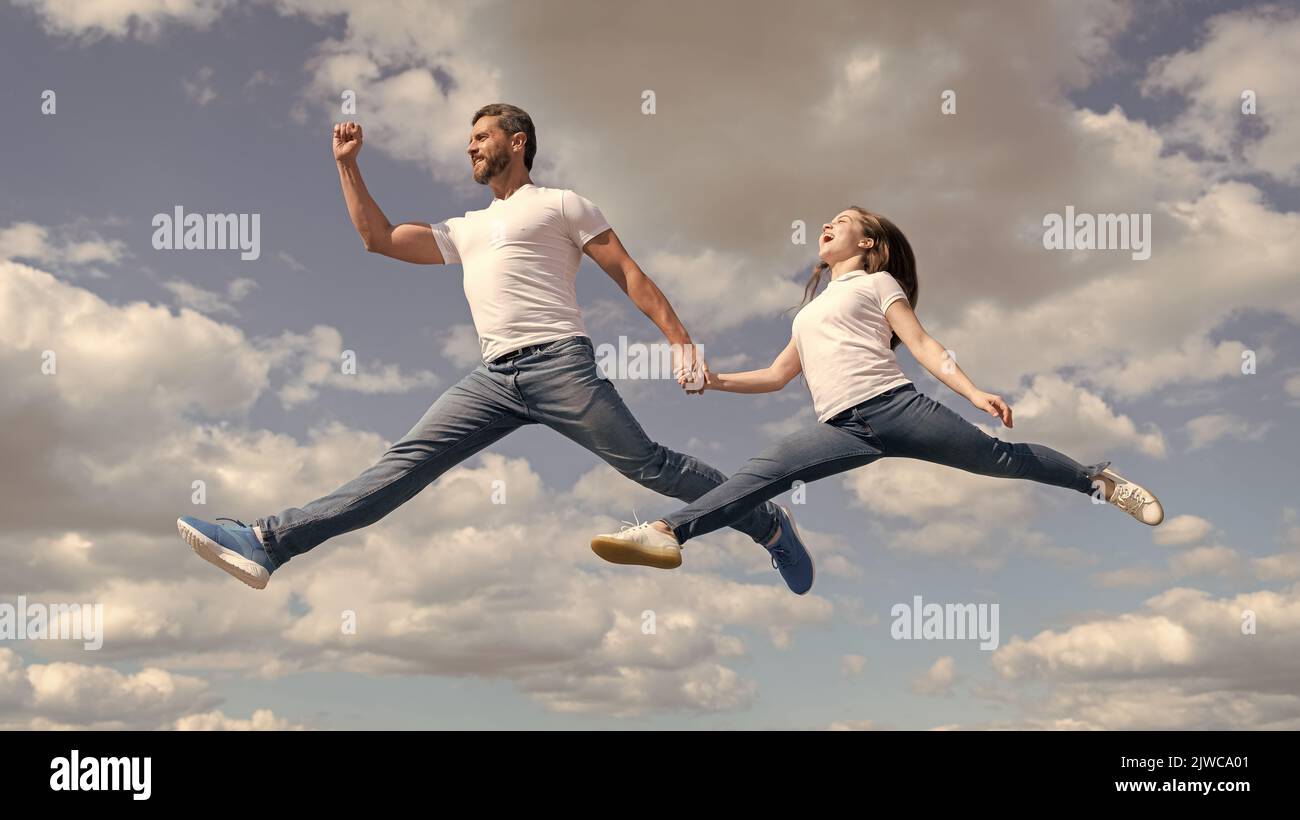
(993, 405)
(696, 382)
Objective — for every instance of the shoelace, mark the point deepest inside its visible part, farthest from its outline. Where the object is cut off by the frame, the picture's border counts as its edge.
(1129, 499)
(781, 558)
(261, 541)
(630, 525)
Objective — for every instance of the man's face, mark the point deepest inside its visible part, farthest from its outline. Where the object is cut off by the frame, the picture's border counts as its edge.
(489, 149)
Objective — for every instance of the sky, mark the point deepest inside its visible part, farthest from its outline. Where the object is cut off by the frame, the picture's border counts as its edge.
(181, 366)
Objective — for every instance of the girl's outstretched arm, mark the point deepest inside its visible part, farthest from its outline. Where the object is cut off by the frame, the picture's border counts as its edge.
(768, 380)
(934, 358)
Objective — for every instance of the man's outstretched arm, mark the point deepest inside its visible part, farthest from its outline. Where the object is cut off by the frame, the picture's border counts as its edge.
(409, 241)
(608, 252)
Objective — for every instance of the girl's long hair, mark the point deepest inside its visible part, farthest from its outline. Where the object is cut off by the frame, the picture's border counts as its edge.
(891, 252)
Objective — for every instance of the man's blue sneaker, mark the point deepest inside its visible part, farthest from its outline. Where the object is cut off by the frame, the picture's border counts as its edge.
(790, 556)
(236, 548)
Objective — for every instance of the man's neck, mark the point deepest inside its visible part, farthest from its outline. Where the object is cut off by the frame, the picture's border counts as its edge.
(504, 185)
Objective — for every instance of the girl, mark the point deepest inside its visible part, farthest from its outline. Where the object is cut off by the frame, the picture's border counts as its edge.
(843, 341)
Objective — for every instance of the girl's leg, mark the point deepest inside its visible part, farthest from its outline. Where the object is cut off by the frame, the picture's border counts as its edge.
(916, 426)
(808, 455)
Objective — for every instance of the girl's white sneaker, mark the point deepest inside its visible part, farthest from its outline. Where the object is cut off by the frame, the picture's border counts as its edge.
(642, 545)
(1134, 499)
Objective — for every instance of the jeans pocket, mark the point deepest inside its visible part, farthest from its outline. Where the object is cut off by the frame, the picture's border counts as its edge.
(860, 427)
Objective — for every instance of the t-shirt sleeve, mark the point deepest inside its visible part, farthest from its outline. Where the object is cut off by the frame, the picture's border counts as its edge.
(583, 221)
(889, 291)
(444, 233)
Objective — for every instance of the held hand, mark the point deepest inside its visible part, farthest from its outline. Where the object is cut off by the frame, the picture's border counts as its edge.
(696, 382)
(689, 367)
(993, 405)
(347, 140)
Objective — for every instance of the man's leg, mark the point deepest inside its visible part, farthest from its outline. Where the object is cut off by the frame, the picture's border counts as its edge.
(564, 391)
(471, 415)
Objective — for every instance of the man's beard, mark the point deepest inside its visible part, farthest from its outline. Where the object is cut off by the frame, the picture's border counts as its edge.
(492, 165)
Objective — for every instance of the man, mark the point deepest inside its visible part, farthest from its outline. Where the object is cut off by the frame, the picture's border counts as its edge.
(520, 256)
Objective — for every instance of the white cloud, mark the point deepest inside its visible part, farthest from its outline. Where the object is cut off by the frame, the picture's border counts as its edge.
(317, 359)
(69, 245)
(1241, 51)
(1291, 518)
(294, 264)
(1131, 577)
(1280, 566)
(460, 346)
(25, 240)
(199, 88)
(44, 696)
(1292, 388)
(1209, 560)
(851, 666)
(259, 78)
(854, 726)
(190, 295)
(144, 19)
(1182, 529)
(938, 679)
(263, 720)
(408, 113)
(1070, 418)
(1148, 705)
(68, 695)
(705, 288)
(90, 432)
(1118, 343)
(1283, 565)
(1180, 662)
(1203, 431)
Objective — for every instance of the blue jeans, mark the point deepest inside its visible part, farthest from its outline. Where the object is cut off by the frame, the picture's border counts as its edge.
(899, 422)
(556, 384)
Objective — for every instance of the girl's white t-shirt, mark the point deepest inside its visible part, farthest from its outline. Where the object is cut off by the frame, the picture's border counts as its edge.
(843, 341)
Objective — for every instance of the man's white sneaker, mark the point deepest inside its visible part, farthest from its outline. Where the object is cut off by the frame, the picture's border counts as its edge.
(1134, 499)
(641, 544)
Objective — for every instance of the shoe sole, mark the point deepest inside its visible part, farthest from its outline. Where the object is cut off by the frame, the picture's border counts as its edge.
(618, 551)
(812, 565)
(226, 560)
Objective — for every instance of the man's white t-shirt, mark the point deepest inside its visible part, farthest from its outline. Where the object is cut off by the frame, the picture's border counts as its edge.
(521, 257)
(843, 341)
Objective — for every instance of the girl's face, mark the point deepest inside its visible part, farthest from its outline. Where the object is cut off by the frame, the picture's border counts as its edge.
(842, 238)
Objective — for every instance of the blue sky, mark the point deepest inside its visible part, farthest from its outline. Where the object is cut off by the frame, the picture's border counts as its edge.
(194, 365)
